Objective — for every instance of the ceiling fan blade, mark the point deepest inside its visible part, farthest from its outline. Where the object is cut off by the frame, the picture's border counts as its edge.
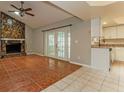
(22, 4)
(15, 7)
(28, 9)
(11, 11)
(29, 14)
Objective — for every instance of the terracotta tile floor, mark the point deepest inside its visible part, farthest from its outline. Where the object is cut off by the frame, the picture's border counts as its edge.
(91, 80)
(32, 73)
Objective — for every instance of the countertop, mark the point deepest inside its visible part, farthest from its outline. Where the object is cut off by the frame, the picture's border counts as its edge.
(107, 45)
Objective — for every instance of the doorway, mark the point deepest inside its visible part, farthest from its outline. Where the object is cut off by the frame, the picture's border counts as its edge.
(58, 43)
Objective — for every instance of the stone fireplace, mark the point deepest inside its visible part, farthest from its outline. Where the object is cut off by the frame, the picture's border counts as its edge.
(12, 35)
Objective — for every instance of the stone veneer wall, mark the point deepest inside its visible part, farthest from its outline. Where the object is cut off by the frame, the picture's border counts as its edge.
(13, 29)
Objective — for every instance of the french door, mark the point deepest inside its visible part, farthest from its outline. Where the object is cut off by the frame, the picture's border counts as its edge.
(58, 43)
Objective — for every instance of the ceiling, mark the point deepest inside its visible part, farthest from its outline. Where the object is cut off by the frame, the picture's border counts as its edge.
(45, 13)
(99, 3)
(50, 12)
(110, 12)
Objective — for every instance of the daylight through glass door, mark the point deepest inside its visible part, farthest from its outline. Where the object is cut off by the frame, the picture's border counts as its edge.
(58, 43)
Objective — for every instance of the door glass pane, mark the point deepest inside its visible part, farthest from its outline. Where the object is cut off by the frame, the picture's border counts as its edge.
(61, 44)
(51, 44)
(69, 41)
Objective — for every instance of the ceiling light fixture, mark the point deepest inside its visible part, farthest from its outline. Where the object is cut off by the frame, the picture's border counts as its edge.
(17, 13)
(21, 10)
(104, 23)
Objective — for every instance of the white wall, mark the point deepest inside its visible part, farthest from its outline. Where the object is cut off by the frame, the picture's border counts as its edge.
(96, 30)
(37, 41)
(80, 31)
(96, 27)
(81, 43)
(28, 38)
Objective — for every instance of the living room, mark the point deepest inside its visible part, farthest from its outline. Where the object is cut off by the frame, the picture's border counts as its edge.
(55, 46)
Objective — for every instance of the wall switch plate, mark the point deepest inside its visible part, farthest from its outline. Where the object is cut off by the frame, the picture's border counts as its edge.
(78, 57)
(76, 41)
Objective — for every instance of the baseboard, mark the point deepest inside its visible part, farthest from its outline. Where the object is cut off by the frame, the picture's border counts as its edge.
(36, 53)
(57, 58)
(88, 66)
(40, 54)
(80, 64)
(99, 69)
(28, 53)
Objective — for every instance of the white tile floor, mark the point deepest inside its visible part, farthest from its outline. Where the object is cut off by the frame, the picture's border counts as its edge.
(87, 79)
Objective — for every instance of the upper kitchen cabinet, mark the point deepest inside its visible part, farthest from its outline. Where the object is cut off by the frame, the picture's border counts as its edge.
(109, 32)
(120, 31)
(114, 32)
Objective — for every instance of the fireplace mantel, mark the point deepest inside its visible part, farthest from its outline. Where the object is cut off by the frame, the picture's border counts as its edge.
(7, 39)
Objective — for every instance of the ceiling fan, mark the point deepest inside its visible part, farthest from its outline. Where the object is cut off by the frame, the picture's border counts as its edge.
(21, 11)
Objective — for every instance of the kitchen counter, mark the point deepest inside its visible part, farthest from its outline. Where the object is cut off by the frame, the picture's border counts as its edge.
(107, 45)
(100, 58)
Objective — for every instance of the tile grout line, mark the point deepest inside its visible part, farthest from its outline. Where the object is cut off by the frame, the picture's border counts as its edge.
(70, 83)
(103, 82)
(63, 81)
(66, 82)
(87, 80)
(119, 76)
